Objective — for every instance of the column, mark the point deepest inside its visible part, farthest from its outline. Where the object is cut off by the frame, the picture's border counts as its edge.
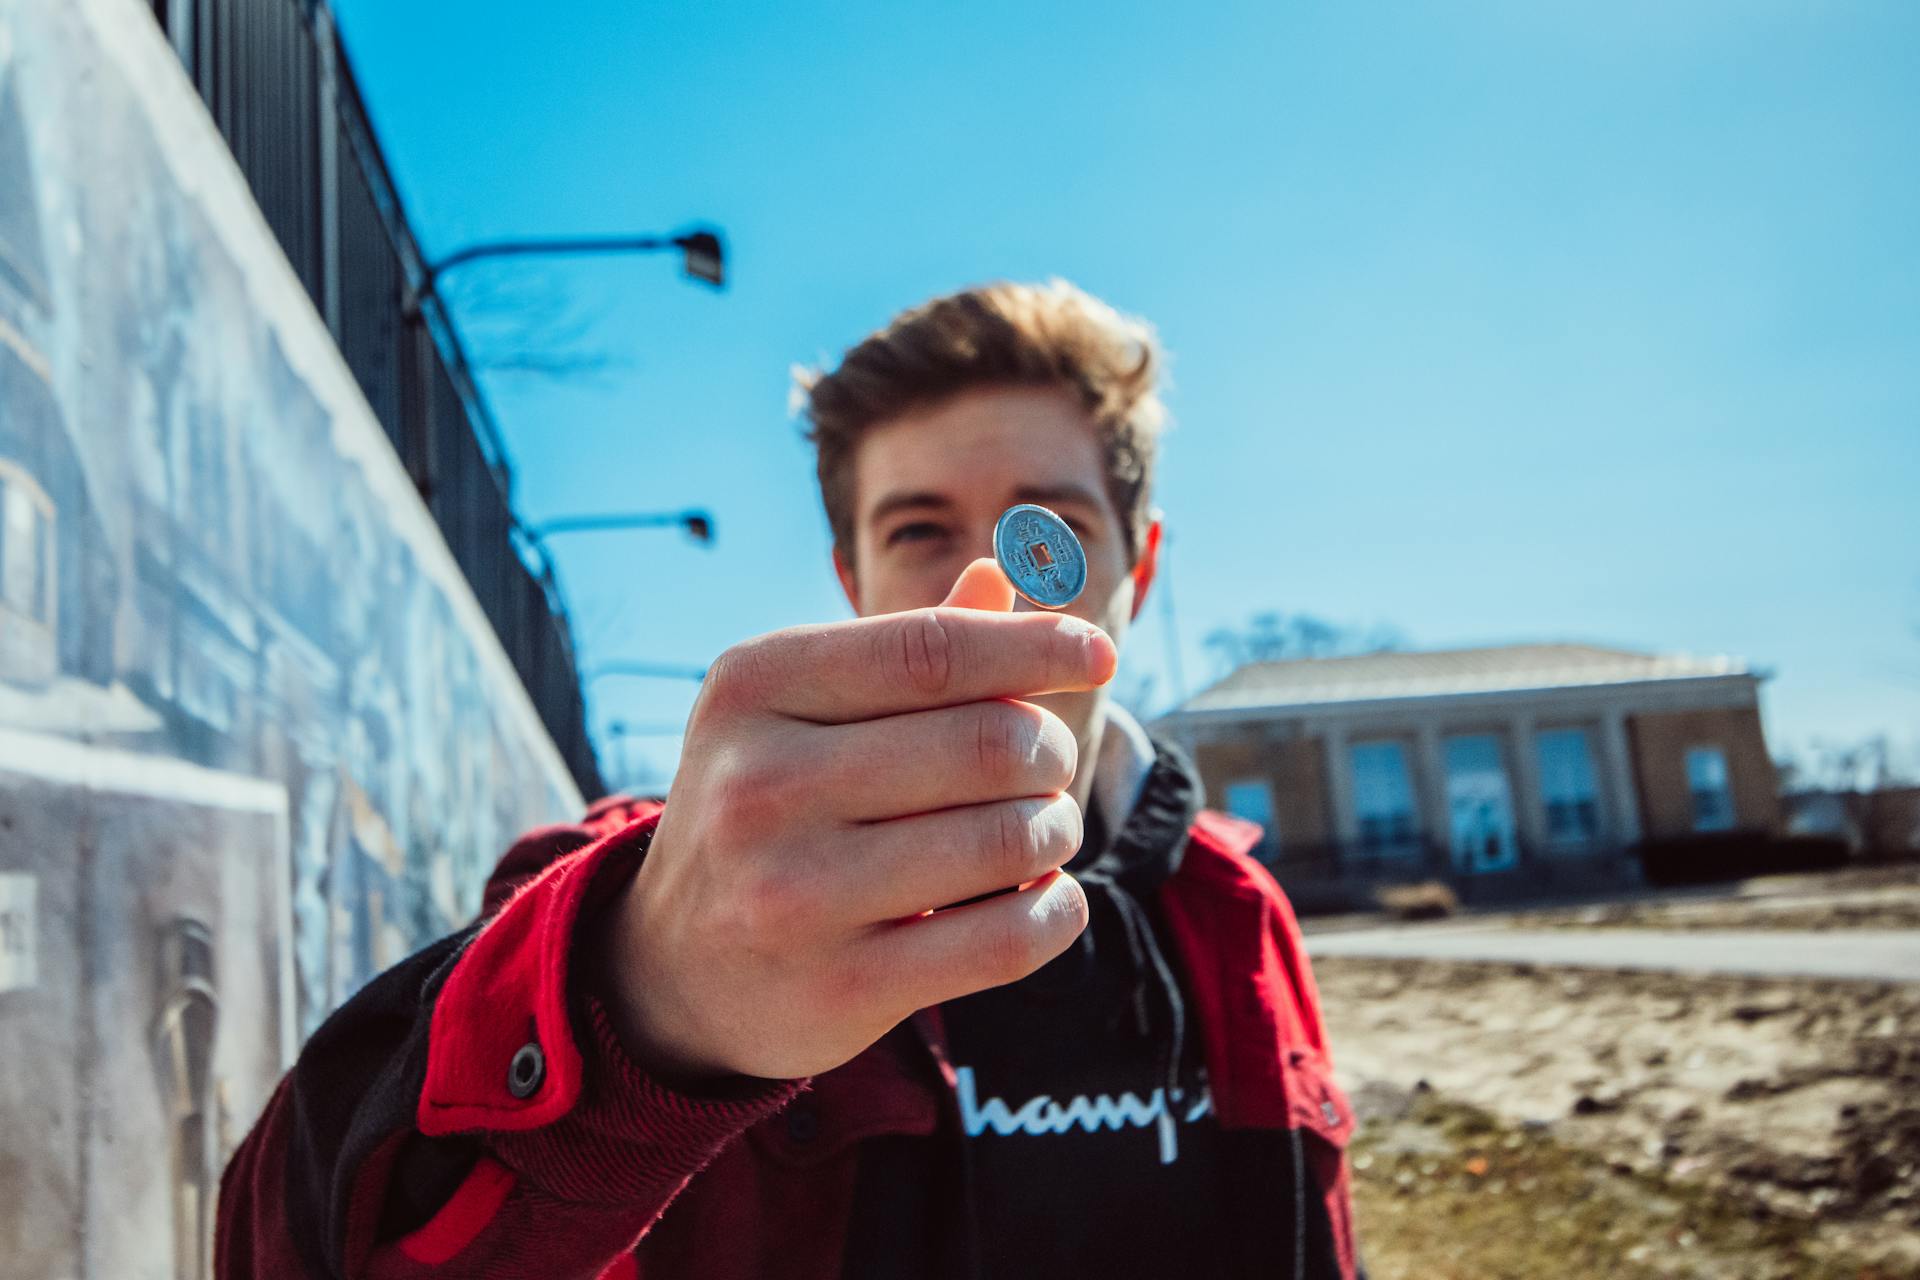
(1616, 775)
(1339, 773)
(1430, 787)
(1529, 804)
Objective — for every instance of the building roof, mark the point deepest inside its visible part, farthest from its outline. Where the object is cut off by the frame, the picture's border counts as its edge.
(1301, 682)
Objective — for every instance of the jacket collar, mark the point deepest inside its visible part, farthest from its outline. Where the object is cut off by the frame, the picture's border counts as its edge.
(1146, 795)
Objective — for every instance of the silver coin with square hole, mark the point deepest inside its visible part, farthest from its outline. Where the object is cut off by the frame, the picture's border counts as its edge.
(1041, 556)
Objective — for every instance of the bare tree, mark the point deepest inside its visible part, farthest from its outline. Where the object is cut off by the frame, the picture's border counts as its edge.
(1272, 636)
(1863, 778)
(520, 319)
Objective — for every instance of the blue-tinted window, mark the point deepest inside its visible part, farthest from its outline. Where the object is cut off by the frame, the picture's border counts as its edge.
(1712, 793)
(1252, 799)
(1479, 804)
(1383, 798)
(1567, 787)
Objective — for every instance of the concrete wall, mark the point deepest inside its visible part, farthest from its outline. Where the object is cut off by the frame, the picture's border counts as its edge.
(256, 739)
(1660, 740)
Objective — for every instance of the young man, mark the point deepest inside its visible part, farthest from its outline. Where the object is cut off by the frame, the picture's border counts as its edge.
(838, 1010)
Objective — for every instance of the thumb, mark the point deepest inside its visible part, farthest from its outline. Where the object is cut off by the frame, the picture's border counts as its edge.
(981, 585)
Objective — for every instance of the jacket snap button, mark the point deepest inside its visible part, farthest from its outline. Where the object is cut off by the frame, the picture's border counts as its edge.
(1331, 1112)
(527, 1071)
(803, 1124)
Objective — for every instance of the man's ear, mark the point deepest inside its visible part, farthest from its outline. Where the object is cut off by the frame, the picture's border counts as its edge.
(1145, 567)
(843, 569)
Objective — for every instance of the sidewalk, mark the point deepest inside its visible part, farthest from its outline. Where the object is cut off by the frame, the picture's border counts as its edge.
(1886, 955)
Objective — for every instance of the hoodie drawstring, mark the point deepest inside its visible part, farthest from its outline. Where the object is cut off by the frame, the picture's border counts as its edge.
(1146, 952)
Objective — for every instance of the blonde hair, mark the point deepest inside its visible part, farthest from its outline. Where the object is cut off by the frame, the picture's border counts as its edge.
(996, 335)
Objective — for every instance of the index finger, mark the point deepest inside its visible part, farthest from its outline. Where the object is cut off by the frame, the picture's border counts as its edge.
(841, 672)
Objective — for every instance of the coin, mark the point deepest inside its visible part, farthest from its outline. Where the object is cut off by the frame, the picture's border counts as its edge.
(1040, 555)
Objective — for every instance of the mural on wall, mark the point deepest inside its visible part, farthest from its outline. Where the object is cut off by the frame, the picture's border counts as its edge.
(250, 754)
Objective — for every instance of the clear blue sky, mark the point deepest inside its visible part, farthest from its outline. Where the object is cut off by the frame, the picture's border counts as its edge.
(1494, 321)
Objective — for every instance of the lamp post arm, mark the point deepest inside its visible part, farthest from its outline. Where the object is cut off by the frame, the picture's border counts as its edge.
(568, 246)
(578, 524)
(703, 249)
(648, 670)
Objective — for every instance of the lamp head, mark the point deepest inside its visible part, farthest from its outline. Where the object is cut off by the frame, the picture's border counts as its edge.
(704, 257)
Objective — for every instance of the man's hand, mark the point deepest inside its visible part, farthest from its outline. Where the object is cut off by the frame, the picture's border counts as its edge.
(840, 783)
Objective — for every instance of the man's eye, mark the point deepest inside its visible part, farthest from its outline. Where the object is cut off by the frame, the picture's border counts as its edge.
(1081, 528)
(918, 531)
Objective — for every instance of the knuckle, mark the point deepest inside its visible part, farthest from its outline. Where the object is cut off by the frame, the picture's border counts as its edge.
(772, 903)
(999, 740)
(923, 652)
(1066, 832)
(1012, 843)
(780, 779)
(735, 678)
(1059, 756)
(1067, 650)
(1069, 900)
(848, 984)
(1008, 950)
(757, 789)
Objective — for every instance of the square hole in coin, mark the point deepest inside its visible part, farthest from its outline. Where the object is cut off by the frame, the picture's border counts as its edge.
(1042, 555)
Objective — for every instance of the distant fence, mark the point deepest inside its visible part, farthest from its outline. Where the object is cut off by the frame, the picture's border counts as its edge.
(277, 82)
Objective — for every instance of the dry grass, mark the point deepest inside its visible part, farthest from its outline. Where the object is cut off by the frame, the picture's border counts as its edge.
(1884, 897)
(1430, 900)
(1446, 1192)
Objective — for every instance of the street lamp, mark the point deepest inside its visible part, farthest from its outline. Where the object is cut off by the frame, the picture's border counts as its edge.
(654, 729)
(698, 524)
(619, 731)
(703, 256)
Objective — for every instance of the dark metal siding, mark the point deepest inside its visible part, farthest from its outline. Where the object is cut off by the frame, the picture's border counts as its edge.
(261, 66)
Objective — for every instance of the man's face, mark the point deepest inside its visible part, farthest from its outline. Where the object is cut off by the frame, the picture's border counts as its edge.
(929, 487)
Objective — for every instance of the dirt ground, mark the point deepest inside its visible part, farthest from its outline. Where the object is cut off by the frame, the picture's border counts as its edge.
(1523, 1121)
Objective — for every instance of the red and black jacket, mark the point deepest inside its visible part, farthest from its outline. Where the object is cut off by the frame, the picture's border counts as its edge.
(471, 1113)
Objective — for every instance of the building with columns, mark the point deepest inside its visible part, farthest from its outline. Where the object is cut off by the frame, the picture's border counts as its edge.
(1505, 770)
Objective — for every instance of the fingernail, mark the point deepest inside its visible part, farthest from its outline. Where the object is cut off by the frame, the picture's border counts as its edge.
(1102, 657)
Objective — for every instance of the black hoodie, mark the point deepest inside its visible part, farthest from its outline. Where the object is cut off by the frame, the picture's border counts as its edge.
(1090, 1146)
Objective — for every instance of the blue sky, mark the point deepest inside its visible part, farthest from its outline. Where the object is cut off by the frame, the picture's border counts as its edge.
(1492, 321)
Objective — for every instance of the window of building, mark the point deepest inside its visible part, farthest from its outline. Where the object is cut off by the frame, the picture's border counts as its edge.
(1712, 792)
(184, 1039)
(1479, 805)
(1383, 799)
(1252, 799)
(1567, 787)
(25, 549)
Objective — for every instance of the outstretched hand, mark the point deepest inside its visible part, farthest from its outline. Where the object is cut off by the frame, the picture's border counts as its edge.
(839, 784)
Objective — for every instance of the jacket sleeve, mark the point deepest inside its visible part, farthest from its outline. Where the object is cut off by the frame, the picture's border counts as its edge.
(470, 1112)
(1268, 1059)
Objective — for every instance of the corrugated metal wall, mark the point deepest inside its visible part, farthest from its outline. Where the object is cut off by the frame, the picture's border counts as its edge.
(278, 84)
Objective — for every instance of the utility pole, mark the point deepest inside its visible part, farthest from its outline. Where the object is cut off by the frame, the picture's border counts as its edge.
(1175, 675)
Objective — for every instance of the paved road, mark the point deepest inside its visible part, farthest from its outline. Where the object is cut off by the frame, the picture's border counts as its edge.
(1891, 955)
